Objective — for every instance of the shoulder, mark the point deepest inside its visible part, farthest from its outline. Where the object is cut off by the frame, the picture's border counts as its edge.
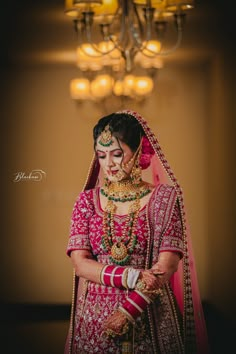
(165, 190)
(164, 195)
(86, 194)
(85, 199)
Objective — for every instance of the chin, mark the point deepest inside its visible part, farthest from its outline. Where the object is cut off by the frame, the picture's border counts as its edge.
(119, 176)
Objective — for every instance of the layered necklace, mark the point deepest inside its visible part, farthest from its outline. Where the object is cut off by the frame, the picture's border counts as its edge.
(121, 248)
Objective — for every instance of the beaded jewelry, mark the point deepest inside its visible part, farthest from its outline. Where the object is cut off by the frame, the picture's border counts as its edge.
(106, 137)
(125, 191)
(121, 249)
(122, 191)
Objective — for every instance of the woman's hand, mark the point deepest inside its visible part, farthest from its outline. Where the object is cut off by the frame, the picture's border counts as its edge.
(150, 279)
(167, 264)
(116, 324)
(149, 283)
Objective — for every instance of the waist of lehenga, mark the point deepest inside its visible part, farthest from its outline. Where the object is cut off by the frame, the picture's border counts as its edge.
(99, 289)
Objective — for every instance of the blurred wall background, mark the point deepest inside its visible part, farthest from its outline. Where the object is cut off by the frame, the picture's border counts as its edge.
(192, 111)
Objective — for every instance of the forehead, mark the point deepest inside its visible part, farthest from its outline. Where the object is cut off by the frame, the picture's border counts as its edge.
(114, 145)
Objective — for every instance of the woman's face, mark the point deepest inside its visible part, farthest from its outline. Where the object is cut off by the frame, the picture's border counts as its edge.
(113, 159)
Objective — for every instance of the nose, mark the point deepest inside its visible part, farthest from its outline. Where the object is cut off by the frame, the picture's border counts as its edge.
(109, 161)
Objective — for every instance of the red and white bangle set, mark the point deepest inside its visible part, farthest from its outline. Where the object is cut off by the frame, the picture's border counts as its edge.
(135, 304)
(119, 277)
(127, 278)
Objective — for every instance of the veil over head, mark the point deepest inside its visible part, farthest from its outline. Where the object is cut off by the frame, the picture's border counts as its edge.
(184, 282)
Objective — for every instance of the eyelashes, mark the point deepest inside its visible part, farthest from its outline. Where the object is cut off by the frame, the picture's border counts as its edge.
(103, 156)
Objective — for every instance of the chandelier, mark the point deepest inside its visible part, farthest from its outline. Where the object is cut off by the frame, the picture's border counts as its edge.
(128, 32)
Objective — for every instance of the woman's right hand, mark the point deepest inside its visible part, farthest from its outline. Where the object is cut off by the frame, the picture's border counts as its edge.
(151, 281)
(116, 324)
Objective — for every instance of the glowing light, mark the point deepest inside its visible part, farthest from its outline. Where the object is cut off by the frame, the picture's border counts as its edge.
(80, 89)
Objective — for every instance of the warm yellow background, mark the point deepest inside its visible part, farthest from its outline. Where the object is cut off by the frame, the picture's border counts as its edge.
(192, 111)
(191, 114)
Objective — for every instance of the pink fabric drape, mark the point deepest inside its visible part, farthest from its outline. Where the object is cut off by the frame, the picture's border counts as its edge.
(162, 173)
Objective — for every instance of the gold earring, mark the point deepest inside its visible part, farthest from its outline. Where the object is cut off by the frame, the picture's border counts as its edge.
(127, 164)
(136, 171)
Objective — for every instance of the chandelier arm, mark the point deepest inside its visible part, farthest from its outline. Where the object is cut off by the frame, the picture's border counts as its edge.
(123, 29)
(78, 30)
(138, 18)
(100, 55)
(110, 36)
(144, 49)
(136, 34)
(116, 44)
(115, 14)
(96, 49)
(87, 24)
(176, 45)
(149, 17)
(138, 42)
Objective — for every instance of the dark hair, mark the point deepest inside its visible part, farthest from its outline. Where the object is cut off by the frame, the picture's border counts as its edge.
(123, 126)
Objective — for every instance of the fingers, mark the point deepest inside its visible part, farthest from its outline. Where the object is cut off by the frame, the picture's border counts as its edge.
(157, 272)
(150, 280)
(116, 324)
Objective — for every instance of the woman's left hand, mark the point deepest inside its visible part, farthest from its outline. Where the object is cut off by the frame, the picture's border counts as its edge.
(116, 324)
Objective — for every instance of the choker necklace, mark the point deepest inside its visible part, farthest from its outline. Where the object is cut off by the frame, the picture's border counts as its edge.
(125, 191)
(120, 248)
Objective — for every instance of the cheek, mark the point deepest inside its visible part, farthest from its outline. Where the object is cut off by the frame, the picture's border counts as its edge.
(101, 162)
(117, 160)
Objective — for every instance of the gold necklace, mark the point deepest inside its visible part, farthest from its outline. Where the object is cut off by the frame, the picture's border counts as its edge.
(120, 248)
(125, 191)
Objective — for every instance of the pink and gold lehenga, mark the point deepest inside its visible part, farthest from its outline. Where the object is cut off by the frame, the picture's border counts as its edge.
(174, 322)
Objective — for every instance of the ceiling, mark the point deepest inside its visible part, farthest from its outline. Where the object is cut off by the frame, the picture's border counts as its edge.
(38, 31)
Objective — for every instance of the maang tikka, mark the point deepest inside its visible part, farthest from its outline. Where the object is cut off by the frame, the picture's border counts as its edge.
(106, 137)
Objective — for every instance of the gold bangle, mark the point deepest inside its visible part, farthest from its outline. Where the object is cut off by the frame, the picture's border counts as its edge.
(101, 274)
(125, 278)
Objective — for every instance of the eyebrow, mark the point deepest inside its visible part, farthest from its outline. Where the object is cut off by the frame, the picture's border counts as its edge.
(110, 150)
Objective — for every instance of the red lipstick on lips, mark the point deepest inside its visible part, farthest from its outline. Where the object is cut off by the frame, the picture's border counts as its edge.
(112, 172)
